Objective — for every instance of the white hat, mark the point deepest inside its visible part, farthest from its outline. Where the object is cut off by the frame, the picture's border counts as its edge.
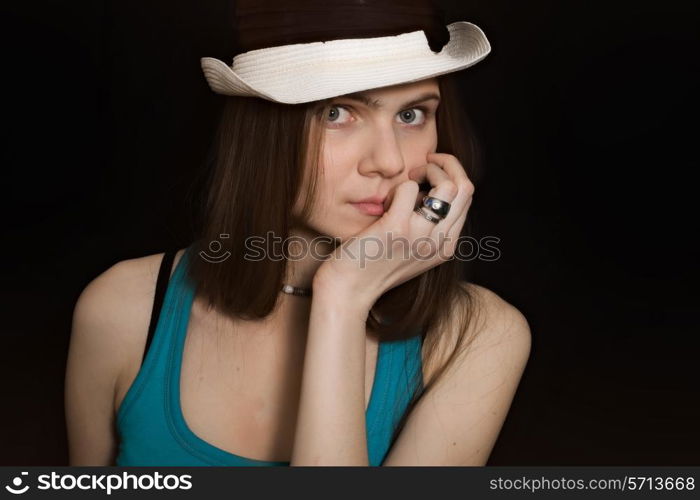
(304, 72)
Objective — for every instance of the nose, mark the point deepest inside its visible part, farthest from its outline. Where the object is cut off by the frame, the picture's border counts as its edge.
(384, 154)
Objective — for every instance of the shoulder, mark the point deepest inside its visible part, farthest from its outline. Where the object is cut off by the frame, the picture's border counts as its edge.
(122, 285)
(459, 417)
(498, 317)
(112, 313)
(496, 328)
(119, 289)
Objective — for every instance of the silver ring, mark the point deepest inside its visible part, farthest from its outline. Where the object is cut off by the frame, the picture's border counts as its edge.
(440, 207)
(431, 218)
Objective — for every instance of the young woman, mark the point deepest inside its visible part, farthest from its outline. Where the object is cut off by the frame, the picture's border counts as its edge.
(319, 317)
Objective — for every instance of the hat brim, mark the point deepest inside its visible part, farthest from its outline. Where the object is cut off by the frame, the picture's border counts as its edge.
(301, 73)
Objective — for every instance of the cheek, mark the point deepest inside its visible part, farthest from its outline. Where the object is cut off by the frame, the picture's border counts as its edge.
(427, 141)
(336, 169)
(330, 189)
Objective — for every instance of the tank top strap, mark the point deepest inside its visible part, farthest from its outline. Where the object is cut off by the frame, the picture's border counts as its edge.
(166, 265)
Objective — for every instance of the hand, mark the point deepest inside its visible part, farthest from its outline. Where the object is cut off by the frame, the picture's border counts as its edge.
(372, 262)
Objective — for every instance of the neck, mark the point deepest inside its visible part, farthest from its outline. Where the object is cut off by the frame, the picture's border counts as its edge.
(307, 258)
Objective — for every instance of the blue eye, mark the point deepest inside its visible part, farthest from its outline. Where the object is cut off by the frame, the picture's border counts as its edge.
(409, 113)
(333, 117)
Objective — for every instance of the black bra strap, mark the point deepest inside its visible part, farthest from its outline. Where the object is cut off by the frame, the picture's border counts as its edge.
(161, 286)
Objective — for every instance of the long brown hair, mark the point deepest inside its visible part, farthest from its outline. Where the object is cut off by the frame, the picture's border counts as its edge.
(260, 151)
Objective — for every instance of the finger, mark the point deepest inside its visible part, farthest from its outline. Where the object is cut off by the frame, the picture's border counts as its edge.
(450, 164)
(443, 189)
(403, 200)
(430, 176)
(441, 185)
(420, 174)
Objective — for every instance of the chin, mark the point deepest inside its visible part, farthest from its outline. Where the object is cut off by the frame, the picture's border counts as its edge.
(342, 229)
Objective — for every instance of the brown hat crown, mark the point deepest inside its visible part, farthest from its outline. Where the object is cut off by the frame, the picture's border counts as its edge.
(270, 23)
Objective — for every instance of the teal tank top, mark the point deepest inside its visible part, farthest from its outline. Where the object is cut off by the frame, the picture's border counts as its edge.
(152, 430)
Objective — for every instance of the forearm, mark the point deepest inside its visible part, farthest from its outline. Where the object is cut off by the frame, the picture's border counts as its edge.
(330, 428)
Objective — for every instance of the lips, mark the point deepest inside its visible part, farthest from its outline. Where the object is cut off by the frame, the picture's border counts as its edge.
(377, 200)
(369, 208)
(373, 205)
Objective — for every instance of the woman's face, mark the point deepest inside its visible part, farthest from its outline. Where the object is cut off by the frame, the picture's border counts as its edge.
(371, 140)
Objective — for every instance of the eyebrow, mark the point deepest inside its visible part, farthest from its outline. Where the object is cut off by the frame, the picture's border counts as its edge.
(377, 103)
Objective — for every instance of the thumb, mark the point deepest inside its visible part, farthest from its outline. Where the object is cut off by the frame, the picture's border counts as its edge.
(404, 198)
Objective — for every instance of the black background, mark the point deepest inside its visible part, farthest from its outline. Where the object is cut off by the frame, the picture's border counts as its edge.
(587, 113)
